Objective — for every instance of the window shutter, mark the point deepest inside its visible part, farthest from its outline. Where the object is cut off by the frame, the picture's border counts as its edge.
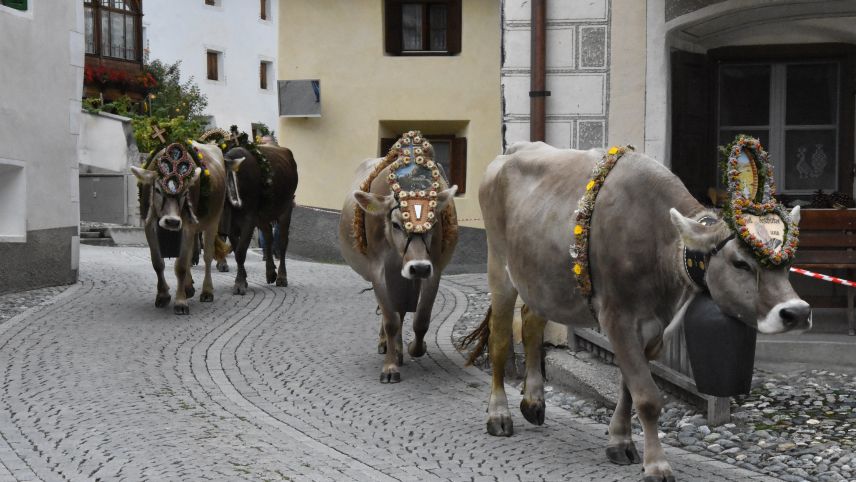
(263, 11)
(385, 145)
(16, 4)
(263, 75)
(212, 66)
(459, 164)
(453, 34)
(694, 156)
(392, 21)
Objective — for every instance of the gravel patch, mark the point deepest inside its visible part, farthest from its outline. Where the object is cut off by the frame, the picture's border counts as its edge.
(13, 304)
(796, 426)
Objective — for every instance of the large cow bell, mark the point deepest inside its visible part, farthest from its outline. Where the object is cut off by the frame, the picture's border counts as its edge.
(169, 243)
(721, 349)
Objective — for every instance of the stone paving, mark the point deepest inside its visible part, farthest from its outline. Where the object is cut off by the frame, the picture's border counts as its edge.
(280, 384)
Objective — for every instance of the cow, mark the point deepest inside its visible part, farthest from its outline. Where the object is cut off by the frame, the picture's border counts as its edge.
(182, 190)
(261, 191)
(643, 217)
(400, 238)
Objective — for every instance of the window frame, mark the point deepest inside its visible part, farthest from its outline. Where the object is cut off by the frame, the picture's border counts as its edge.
(264, 10)
(842, 54)
(265, 71)
(135, 12)
(393, 28)
(19, 5)
(218, 63)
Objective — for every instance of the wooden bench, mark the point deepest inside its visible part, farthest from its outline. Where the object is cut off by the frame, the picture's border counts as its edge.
(828, 241)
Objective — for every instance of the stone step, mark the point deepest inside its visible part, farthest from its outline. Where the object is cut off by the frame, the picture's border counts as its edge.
(97, 241)
(91, 234)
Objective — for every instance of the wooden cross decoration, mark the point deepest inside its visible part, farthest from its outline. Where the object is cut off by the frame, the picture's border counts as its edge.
(233, 137)
(158, 133)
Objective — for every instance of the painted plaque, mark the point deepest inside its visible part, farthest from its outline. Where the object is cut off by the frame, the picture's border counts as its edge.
(747, 176)
(769, 228)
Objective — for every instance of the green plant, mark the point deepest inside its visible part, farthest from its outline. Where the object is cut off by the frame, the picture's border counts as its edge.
(177, 129)
(172, 97)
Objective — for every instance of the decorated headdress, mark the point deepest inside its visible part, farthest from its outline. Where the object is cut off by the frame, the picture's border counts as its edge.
(414, 178)
(753, 212)
(175, 166)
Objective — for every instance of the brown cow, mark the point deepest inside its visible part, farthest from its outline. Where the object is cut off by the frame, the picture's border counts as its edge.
(399, 236)
(173, 199)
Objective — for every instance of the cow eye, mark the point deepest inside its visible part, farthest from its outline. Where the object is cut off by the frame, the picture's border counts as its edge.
(742, 265)
(395, 225)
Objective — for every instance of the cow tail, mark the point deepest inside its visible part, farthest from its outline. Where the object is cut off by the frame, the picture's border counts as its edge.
(480, 337)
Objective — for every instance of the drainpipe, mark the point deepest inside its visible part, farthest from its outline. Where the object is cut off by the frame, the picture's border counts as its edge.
(538, 72)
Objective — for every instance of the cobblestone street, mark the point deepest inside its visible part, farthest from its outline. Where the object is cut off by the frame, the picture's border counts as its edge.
(281, 384)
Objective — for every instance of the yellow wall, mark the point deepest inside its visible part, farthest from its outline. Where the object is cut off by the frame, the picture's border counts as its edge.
(366, 93)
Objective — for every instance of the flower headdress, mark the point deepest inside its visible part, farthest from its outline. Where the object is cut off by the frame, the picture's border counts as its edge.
(753, 212)
(414, 178)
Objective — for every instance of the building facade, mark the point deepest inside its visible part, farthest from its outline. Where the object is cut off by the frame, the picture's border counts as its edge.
(355, 77)
(230, 49)
(41, 79)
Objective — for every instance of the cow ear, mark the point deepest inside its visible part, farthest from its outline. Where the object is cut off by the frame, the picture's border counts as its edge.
(443, 197)
(234, 164)
(795, 215)
(373, 204)
(146, 177)
(696, 236)
(195, 178)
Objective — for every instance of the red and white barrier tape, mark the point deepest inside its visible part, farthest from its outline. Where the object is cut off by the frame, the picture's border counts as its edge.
(831, 279)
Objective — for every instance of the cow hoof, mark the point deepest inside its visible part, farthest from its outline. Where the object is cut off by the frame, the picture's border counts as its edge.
(239, 289)
(393, 377)
(181, 309)
(623, 454)
(189, 291)
(281, 281)
(271, 277)
(415, 350)
(223, 267)
(500, 426)
(162, 300)
(206, 297)
(533, 412)
(659, 478)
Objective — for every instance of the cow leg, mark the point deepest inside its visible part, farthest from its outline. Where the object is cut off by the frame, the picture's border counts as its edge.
(162, 298)
(381, 343)
(270, 267)
(422, 316)
(208, 256)
(392, 331)
(282, 245)
(620, 449)
(503, 296)
(182, 268)
(243, 244)
(532, 406)
(636, 375)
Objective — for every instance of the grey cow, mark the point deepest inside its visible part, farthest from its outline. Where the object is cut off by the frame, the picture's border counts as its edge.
(403, 266)
(643, 218)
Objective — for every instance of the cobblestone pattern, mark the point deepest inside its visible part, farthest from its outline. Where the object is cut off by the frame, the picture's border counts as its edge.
(280, 384)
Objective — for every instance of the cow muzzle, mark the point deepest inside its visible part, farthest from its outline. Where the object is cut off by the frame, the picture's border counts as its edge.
(419, 269)
(171, 223)
(791, 315)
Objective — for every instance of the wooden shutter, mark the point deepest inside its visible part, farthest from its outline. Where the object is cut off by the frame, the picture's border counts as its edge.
(212, 66)
(392, 26)
(16, 4)
(694, 155)
(459, 164)
(210, 2)
(263, 75)
(385, 145)
(263, 11)
(453, 28)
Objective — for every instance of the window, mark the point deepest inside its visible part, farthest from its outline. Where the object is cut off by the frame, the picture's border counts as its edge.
(112, 29)
(792, 107)
(16, 4)
(449, 151)
(213, 3)
(13, 199)
(265, 69)
(423, 27)
(214, 60)
(264, 9)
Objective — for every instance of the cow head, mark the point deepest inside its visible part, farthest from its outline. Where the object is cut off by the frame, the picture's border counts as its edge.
(174, 174)
(233, 163)
(757, 295)
(412, 247)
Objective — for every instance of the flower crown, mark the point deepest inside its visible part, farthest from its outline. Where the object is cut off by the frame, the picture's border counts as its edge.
(753, 212)
(414, 178)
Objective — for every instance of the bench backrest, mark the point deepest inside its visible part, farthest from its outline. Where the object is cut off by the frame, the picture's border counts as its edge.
(827, 238)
